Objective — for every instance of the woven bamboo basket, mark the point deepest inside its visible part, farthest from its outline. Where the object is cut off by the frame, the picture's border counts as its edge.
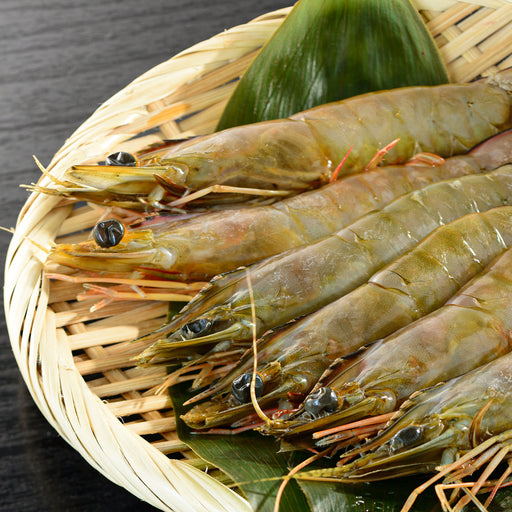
(76, 363)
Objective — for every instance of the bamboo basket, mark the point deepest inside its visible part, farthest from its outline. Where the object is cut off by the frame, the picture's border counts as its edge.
(76, 363)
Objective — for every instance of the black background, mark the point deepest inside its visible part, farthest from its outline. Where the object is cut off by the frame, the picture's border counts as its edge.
(59, 60)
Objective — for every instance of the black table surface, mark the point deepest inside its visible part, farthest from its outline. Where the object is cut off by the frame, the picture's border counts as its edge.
(59, 61)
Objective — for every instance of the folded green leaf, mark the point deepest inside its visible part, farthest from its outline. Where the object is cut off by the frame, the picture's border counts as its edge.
(327, 50)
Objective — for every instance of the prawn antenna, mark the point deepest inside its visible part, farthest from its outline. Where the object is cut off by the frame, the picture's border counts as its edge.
(46, 173)
(38, 245)
(33, 242)
(254, 399)
(227, 189)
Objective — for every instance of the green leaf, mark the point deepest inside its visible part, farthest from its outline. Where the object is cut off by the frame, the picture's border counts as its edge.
(249, 459)
(327, 50)
(254, 461)
(387, 496)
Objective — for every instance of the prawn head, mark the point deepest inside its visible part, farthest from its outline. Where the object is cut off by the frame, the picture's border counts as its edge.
(276, 387)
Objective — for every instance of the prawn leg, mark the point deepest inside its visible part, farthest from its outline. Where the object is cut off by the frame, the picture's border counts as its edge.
(489, 454)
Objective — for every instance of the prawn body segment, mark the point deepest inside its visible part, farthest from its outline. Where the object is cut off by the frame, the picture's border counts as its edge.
(485, 111)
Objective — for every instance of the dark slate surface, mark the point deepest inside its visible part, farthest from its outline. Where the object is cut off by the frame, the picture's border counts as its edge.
(59, 61)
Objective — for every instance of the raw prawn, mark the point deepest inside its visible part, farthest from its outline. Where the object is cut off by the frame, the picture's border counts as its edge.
(302, 280)
(304, 150)
(456, 428)
(297, 356)
(202, 246)
(471, 329)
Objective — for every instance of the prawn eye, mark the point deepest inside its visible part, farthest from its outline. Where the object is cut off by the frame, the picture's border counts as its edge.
(108, 233)
(196, 329)
(322, 400)
(121, 158)
(405, 437)
(241, 387)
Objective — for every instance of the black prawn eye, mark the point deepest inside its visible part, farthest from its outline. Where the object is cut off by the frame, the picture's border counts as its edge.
(241, 387)
(196, 329)
(121, 158)
(322, 400)
(405, 437)
(108, 233)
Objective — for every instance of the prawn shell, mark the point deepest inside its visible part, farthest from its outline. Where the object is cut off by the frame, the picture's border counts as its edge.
(305, 149)
(384, 116)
